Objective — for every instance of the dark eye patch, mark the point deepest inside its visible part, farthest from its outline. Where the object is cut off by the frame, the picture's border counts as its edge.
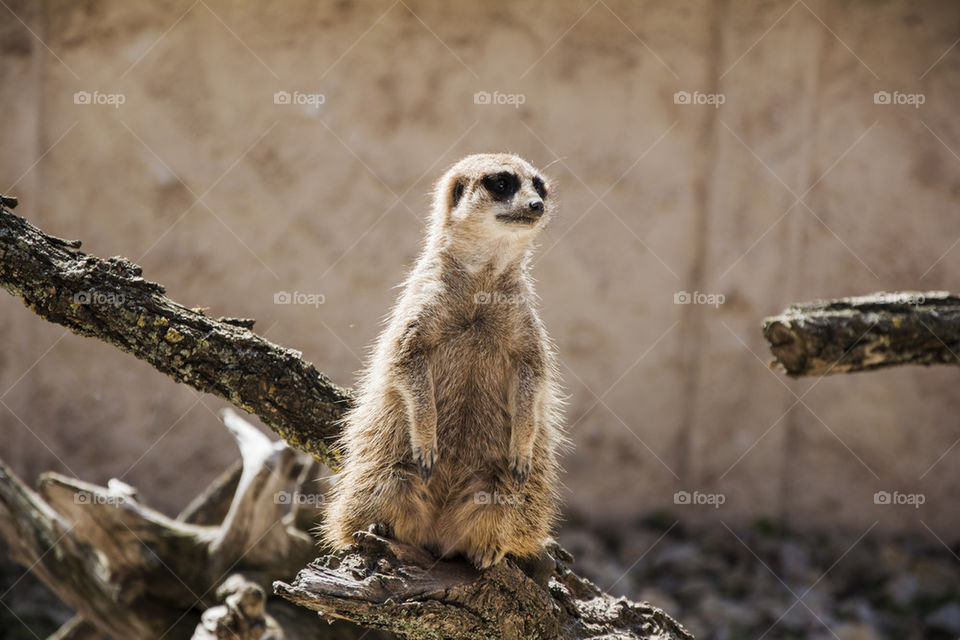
(501, 185)
(540, 188)
(458, 188)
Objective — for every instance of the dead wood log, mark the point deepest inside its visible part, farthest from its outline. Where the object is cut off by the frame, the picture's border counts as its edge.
(210, 507)
(43, 540)
(132, 572)
(866, 333)
(110, 557)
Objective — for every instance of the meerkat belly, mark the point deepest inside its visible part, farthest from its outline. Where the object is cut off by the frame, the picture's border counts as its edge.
(472, 376)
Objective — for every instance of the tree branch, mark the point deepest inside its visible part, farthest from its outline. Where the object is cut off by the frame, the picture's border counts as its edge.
(109, 300)
(866, 333)
(382, 584)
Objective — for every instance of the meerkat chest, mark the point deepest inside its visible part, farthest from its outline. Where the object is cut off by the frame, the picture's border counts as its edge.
(487, 323)
(475, 356)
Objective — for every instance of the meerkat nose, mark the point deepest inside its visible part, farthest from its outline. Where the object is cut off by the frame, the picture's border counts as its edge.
(536, 205)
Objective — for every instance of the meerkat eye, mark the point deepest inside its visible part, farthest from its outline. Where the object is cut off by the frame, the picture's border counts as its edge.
(502, 185)
(540, 188)
(458, 189)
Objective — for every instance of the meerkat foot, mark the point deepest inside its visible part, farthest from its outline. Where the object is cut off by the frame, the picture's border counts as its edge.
(371, 533)
(425, 459)
(486, 557)
(520, 468)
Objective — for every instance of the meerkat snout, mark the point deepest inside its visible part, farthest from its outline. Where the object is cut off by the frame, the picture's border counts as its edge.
(517, 198)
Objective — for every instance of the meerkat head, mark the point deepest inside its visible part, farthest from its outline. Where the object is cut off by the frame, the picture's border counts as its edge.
(492, 198)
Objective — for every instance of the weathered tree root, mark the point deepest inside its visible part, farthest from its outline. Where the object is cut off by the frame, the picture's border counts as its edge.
(382, 584)
(866, 333)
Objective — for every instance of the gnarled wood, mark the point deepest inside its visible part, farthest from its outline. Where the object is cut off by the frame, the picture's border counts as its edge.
(132, 572)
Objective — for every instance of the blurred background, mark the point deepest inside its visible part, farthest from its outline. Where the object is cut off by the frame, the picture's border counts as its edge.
(749, 155)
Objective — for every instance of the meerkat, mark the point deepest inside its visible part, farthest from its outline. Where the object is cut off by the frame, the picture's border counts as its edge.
(453, 441)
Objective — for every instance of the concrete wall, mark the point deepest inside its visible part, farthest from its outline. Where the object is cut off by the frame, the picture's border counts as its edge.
(227, 198)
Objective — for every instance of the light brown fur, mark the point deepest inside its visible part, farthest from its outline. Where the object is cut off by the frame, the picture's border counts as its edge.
(453, 441)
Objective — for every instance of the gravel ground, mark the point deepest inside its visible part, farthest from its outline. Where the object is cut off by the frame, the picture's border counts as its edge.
(764, 582)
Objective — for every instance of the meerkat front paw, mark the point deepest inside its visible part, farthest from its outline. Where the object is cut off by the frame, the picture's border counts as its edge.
(486, 557)
(425, 458)
(520, 468)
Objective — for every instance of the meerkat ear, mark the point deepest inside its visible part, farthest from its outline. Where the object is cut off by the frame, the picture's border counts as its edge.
(459, 186)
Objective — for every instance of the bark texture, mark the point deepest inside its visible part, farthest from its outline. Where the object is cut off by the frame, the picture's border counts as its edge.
(866, 333)
(382, 584)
